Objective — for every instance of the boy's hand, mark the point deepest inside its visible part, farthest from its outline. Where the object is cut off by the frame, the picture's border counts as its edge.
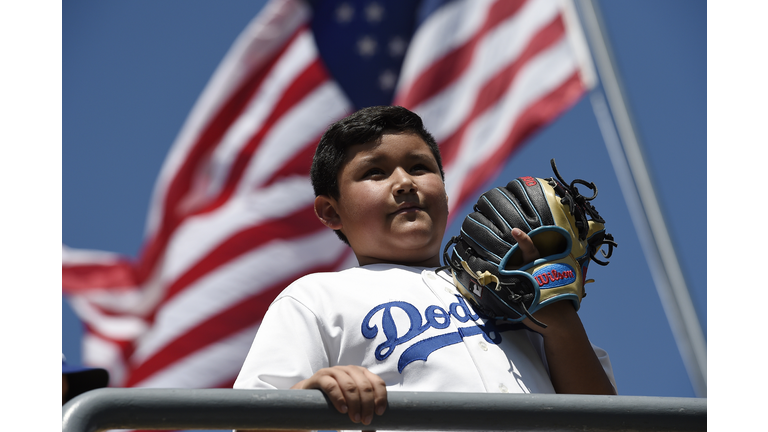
(554, 314)
(353, 390)
(526, 246)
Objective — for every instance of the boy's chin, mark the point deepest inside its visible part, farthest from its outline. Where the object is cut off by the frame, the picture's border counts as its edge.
(418, 231)
(413, 251)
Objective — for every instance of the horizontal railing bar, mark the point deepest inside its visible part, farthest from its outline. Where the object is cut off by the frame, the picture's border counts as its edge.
(169, 409)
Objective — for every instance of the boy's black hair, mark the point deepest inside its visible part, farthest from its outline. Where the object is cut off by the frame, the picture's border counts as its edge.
(362, 127)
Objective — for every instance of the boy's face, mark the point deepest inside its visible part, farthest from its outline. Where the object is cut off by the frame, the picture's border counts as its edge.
(392, 204)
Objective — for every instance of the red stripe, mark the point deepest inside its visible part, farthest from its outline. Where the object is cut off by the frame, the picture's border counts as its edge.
(83, 277)
(220, 326)
(536, 116)
(312, 77)
(209, 138)
(300, 223)
(447, 69)
(298, 165)
(497, 86)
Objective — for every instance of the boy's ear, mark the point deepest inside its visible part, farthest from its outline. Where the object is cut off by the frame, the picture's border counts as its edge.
(325, 209)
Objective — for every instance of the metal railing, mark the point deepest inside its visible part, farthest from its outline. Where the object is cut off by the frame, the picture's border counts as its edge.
(173, 409)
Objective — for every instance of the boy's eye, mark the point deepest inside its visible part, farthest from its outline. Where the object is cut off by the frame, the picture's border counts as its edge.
(420, 168)
(373, 172)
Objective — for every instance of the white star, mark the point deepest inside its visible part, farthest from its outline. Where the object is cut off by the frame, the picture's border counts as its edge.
(366, 46)
(396, 46)
(344, 13)
(387, 80)
(374, 12)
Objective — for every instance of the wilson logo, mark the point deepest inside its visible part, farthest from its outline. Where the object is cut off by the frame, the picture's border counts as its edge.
(529, 181)
(554, 275)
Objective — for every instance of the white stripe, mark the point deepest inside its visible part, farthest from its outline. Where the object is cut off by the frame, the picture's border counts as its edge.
(315, 112)
(236, 281)
(445, 112)
(488, 132)
(579, 43)
(296, 58)
(123, 327)
(113, 300)
(266, 33)
(207, 367)
(199, 235)
(446, 29)
(98, 352)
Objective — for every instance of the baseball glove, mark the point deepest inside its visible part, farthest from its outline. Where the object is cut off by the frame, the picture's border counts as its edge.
(488, 267)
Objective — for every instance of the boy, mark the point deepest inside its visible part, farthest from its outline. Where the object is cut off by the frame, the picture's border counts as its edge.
(397, 322)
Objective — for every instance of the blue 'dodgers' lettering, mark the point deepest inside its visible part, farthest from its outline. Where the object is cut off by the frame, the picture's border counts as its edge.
(434, 317)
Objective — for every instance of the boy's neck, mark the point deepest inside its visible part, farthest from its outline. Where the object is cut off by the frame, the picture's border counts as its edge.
(433, 261)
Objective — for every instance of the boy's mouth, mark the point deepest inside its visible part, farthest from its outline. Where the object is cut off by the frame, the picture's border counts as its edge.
(407, 208)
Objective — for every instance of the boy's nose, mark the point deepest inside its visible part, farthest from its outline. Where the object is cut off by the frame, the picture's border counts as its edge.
(403, 182)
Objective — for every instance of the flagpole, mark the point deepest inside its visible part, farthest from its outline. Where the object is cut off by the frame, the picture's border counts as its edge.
(626, 153)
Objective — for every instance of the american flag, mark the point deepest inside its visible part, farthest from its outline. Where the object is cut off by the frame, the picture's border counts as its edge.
(231, 221)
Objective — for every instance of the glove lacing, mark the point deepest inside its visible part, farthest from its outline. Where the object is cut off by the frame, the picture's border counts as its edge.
(580, 207)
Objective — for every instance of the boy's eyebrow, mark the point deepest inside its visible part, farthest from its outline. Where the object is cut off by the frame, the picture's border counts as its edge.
(425, 157)
(378, 158)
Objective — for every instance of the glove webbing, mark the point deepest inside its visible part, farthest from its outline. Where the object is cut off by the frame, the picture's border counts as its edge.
(455, 266)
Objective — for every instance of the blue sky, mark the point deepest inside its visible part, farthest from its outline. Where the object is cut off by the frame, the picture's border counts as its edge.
(131, 72)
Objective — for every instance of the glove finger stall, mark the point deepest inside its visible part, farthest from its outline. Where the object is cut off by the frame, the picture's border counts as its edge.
(484, 237)
(528, 192)
(505, 211)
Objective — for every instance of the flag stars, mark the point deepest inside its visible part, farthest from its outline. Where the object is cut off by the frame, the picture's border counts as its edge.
(397, 46)
(374, 12)
(344, 13)
(366, 46)
(387, 80)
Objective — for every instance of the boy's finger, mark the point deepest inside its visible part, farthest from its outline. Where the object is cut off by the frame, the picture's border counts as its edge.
(524, 242)
(368, 389)
(380, 392)
(328, 384)
(342, 388)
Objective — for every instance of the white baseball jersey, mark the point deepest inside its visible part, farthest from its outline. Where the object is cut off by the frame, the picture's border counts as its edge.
(408, 325)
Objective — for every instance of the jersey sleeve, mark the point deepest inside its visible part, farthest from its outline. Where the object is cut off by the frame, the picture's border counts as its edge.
(288, 348)
(602, 355)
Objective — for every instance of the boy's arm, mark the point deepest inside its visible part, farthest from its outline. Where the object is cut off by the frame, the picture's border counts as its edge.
(573, 365)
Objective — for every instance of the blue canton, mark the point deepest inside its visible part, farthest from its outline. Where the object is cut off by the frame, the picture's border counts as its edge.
(363, 43)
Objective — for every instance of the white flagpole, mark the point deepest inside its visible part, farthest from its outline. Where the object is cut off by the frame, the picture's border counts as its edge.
(628, 161)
